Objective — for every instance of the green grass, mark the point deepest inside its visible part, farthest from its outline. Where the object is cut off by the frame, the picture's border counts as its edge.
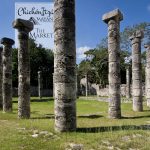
(95, 130)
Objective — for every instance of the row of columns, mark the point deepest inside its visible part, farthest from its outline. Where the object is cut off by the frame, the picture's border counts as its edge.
(23, 27)
(113, 19)
(65, 65)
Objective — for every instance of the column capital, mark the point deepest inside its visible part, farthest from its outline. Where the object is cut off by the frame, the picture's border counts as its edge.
(22, 24)
(113, 15)
(137, 34)
(147, 45)
(39, 72)
(7, 41)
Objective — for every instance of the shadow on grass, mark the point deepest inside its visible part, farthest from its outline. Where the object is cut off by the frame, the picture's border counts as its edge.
(146, 110)
(112, 128)
(136, 117)
(37, 100)
(90, 116)
(46, 116)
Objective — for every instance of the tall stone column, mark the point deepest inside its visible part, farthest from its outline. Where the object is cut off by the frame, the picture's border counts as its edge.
(7, 74)
(23, 27)
(1, 79)
(65, 65)
(147, 82)
(113, 19)
(128, 90)
(136, 71)
(40, 85)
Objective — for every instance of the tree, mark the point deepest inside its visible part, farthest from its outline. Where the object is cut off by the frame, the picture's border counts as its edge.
(41, 59)
(129, 30)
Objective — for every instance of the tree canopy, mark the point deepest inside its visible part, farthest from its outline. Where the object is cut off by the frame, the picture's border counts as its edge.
(41, 59)
(96, 62)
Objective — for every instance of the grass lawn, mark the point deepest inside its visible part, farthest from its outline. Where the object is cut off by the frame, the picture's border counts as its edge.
(95, 131)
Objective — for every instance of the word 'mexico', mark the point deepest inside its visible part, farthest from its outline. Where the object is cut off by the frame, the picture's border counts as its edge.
(43, 11)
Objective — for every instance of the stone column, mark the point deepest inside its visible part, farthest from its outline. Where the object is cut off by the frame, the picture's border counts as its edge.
(113, 19)
(147, 82)
(24, 27)
(40, 85)
(77, 91)
(128, 90)
(1, 79)
(53, 87)
(86, 85)
(136, 71)
(65, 65)
(7, 74)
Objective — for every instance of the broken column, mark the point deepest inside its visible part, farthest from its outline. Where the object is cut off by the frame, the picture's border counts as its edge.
(40, 85)
(7, 74)
(86, 85)
(23, 27)
(113, 19)
(65, 65)
(147, 82)
(136, 71)
(1, 79)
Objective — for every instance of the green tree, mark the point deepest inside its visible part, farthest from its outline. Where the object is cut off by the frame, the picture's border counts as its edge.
(41, 59)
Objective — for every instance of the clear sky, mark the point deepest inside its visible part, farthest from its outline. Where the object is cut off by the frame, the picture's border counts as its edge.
(90, 28)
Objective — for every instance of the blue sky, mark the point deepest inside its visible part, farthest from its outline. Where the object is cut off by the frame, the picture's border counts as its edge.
(90, 28)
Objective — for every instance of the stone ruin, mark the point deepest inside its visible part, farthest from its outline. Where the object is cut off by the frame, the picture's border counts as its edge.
(65, 77)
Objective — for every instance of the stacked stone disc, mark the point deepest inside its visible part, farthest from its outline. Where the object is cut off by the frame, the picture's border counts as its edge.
(128, 95)
(1, 79)
(147, 46)
(40, 85)
(7, 74)
(23, 27)
(113, 19)
(136, 71)
(65, 65)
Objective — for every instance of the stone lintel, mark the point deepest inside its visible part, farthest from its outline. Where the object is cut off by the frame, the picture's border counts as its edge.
(112, 15)
(6, 41)
(23, 24)
(137, 34)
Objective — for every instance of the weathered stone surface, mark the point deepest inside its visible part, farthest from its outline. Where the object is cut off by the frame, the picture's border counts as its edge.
(40, 84)
(136, 71)
(147, 82)
(137, 103)
(128, 89)
(138, 34)
(113, 15)
(23, 27)
(64, 65)
(1, 79)
(113, 19)
(7, 74)
(7, 41)
(73, 146)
